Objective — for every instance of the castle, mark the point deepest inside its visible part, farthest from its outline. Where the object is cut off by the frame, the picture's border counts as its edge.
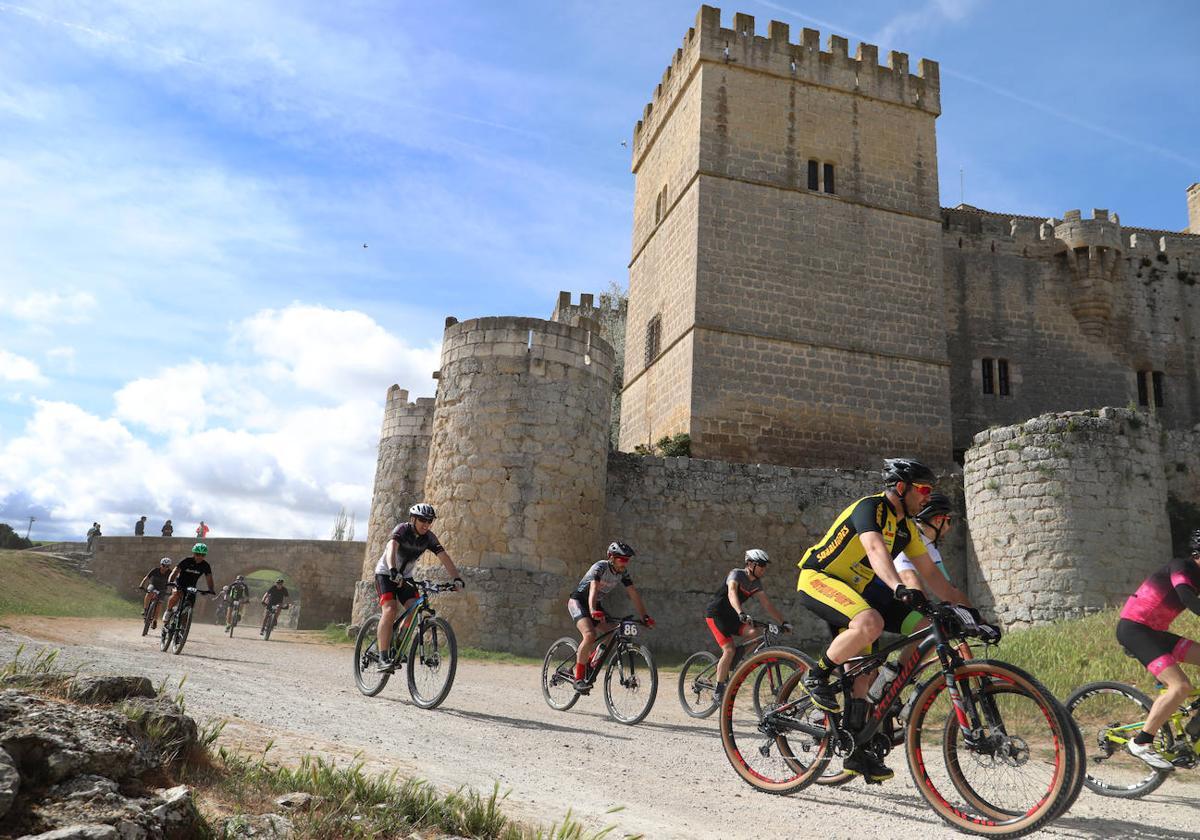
(801, 306)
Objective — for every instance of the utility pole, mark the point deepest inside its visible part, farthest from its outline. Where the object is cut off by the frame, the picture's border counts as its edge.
(29, 527)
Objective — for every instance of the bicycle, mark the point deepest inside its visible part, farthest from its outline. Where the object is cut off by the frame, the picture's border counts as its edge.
(1011, 756)
(178, 622)
(1110, 714)
(628, 668)
(421, 639)
(151, 609)
(698, 677)
(271, 618)
(235, 616)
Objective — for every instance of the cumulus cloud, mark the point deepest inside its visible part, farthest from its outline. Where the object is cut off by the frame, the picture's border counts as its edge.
(14, 368)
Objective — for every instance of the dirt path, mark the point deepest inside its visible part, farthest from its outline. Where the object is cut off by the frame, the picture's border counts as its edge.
(668, 773)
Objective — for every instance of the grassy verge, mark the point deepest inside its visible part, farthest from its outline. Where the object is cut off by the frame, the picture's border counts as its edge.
(35, 585)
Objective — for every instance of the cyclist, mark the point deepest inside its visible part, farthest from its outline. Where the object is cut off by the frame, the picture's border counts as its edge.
(726, 614)
(222, 600)
(155, 581)
(187, 573)
(272, 598)
(393, 573)
(1142, 631)
(238, 591)
(933, 520)
(859, 547)
(584, 604)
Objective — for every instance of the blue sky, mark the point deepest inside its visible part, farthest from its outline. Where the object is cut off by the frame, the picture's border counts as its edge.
(190, 326)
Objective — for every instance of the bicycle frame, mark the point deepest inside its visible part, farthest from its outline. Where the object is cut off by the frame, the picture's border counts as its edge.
(1177, 723)
(405, 623)
(623, 640)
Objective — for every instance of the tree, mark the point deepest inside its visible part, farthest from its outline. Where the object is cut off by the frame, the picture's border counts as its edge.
(11, 539)
(343, 527)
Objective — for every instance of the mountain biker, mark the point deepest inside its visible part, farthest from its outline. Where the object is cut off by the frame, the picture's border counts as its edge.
(238, 591)
(393, 573)
(859, 547)
(222, 602)
(1142, 632)
(933, 521)
(272, 598)
(155, 581)
(584, 604)
(187, 573)
(726, 615)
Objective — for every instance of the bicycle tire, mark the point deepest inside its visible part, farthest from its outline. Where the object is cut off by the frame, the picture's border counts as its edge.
(1096, 725)
(558, 674)
(960, 802)
(697, 685)
(147, 618)
(770, 680)
(747, 746)
(622, 666)
(270, 626)
(182, 628)
(426, 653)
(167, 632)
(366, 659)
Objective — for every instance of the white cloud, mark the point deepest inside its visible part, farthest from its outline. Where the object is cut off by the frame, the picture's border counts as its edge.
(51, 308)
(14, 368)
(62, 357)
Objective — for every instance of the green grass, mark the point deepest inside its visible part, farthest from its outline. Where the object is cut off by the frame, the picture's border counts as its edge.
(1069, 653)
(33, 585)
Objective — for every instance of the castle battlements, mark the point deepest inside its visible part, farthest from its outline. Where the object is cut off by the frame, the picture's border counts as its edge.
(532, 339)
(804, 62)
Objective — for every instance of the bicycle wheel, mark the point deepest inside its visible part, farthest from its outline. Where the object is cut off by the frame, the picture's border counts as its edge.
(147, 617)
(698, 685)
(432, 662)
(167, 631)
(1109, 714)
(1015, 775)
(367, 676)
(270, 626)
(558, 674)
(630, 683)
(787, 746)
(769, 681)
(183, 626)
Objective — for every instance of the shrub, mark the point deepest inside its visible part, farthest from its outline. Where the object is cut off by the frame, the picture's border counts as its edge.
(11, 539)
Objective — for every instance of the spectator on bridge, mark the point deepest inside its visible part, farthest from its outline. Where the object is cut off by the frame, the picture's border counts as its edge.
(202, 530)
(139, 527)
(168, 529)
(93, 532)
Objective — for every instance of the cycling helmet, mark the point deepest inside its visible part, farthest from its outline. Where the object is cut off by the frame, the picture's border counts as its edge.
(1195, 541)
(422, 511)
(200, 548)
(166, 561)
(240, 578)
(935, 505)
(906, 470)
(620, 549)
(279, 580)
(224, 588)
(758, 557)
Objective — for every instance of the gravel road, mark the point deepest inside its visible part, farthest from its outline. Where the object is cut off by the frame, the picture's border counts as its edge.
(668, 773)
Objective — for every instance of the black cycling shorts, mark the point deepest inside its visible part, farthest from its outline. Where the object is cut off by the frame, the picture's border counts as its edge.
(388, 589)
(1155, 649)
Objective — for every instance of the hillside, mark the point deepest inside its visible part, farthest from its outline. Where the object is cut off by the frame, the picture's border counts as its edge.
(35, 584)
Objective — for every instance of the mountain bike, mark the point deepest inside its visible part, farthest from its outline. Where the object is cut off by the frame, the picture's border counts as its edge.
(151, 609)
(698, 677)
(422, 640)
(178, 622)
(1110, 714)
(988, 747)
(219, 610)
(630, 675)
(270, 620)
(235, 616)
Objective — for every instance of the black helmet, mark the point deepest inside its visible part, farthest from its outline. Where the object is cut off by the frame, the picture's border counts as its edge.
(620, 549)
(907, 470)
(422, 511)
(936, 504)
(757, 556)
(1195, 541)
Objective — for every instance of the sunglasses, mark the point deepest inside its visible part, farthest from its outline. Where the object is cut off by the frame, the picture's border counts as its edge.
(923, 489)
(423, 519)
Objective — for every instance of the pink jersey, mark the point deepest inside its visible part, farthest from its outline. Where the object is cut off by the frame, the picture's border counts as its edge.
(1156, 603)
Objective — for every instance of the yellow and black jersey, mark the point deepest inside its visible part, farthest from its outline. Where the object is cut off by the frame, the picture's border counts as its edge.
(840, 552)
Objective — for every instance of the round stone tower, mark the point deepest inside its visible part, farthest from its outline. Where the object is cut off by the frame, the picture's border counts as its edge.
(1068, 513)
(399, 483)
(517, 471)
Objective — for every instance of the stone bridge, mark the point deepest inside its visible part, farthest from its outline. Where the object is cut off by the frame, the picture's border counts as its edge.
(321, 573)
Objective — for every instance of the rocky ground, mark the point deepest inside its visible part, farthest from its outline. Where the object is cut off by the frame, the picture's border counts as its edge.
(668, 774)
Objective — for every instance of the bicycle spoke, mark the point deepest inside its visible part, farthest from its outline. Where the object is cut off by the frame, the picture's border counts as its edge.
(432, 661)
(630, 684)
(1109, 715)
(558, 675)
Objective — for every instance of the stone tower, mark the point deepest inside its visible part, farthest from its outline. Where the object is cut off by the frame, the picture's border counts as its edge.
(399, 483)
(517, 469)
(1193, 200)
(787, 253)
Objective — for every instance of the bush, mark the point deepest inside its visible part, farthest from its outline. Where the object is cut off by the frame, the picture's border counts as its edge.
(668, 446)
(11, 539)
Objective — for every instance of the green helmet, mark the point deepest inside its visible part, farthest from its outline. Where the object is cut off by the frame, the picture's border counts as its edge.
(200, 548)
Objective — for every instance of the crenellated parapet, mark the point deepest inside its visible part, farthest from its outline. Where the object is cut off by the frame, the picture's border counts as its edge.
(1093, 252)
(775, 54)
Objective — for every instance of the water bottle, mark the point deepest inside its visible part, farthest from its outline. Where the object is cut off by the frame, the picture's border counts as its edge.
(887, 673)
(596, 654)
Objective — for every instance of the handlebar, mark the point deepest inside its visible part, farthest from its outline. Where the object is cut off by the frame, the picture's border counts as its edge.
(771, 626)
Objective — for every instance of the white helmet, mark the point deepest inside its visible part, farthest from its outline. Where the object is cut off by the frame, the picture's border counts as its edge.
(758, 557)
(166, 561)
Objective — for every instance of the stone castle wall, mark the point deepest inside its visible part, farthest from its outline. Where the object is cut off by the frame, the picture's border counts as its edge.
(1193, 202)
(321, 573)
(399, 482)
(1067, 513)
